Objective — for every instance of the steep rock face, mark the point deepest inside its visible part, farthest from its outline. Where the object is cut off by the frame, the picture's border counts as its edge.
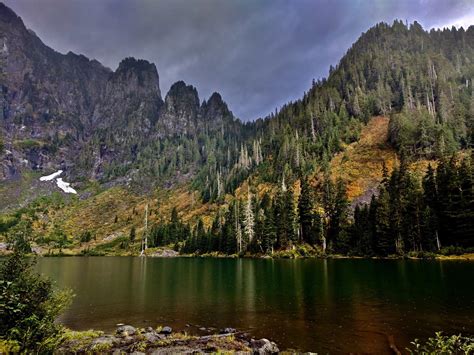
(126, 114)
(180, 112)
(215, 109)
(131, 99)
(47, 98)
(39, 84)
(68, 112)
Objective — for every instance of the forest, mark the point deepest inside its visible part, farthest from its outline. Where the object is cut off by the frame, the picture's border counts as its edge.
(423, 82)
(409, 215)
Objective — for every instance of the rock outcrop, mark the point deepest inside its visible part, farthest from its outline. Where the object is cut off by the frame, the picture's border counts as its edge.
(128, 339)
(65, 111)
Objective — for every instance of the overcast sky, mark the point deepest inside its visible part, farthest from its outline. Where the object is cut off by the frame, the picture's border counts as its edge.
(259, 54)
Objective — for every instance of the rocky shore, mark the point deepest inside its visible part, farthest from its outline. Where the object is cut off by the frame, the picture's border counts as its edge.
(163, 340)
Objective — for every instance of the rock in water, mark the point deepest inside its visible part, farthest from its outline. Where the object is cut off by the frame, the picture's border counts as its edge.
(166, 330)
(126, 330)
(152, 337)
(264, 346)
(227, 330)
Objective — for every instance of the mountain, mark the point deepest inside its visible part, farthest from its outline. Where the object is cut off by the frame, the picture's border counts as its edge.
(422, 80)
(401, 99)
(71, 113)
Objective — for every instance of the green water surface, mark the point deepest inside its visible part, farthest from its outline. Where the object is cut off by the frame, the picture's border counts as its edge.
(341, 305)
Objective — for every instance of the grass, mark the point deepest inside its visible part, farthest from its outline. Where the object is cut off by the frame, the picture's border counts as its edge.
(79, 340)
(28, 143)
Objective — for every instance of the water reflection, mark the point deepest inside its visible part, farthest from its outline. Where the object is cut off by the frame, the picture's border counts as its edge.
(303, 304)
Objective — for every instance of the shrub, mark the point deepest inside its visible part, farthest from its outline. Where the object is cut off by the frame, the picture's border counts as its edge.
(443, 344)
(454, 250)
(85, 237)
(29, 305)
(28, 144)
(422, 254)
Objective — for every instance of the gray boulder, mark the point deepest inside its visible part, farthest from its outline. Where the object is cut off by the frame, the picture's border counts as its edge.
(227, 330)
(264, 346)
(126, 330)
(166, 330)
(152, 337)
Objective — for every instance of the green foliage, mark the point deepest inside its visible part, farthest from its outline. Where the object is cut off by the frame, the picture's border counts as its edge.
(111, 247)
(19, 236)
(454, 250)
(409, 216)
(283, 226)
(172, 232)
(57, 238)
(6, 222)
(418, 217)
(443, 344)
(85, 237)
(133, 234)
(29, 306)
(28, 144)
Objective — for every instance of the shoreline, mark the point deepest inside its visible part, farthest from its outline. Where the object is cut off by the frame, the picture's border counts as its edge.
(162, 340)
(432, 256)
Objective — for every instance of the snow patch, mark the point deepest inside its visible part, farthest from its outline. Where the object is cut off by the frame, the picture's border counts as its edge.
(52, 176)
(65, 186)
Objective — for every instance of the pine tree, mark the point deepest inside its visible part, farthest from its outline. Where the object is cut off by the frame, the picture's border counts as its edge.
(305, 209)
(133, 234)
(248, 221)
(430, 197)
(283, 217)
(338, 219)
(384, 243)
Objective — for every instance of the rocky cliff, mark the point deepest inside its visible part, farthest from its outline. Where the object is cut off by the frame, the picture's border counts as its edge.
(68, 112)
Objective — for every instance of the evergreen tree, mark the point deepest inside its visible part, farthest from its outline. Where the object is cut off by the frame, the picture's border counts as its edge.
(248, 221)
(132, 234)
(305, 209)
(385, 242)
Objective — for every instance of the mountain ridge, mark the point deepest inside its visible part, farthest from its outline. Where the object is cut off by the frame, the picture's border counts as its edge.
(67, 101)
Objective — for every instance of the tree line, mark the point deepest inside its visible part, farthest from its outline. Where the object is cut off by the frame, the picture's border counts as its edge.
(409, 214)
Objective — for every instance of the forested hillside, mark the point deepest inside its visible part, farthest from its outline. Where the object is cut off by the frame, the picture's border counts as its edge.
(422, 81)
(290, 180)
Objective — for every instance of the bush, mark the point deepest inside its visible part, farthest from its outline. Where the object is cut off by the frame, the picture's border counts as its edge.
(85, 237)
(91, 252)
(29, 305)
(443, 344)
(422, 255)
(453, 250)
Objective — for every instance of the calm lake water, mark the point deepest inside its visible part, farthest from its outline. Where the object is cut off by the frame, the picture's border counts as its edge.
(318, 305)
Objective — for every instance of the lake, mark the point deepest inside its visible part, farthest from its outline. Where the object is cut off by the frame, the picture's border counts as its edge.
(341, 305)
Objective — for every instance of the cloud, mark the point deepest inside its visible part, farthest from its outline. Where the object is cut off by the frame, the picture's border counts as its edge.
(257, 54)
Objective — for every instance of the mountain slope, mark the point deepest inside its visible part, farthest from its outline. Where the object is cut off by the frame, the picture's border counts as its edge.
(422, 80)
(70, 113)
(116, 137)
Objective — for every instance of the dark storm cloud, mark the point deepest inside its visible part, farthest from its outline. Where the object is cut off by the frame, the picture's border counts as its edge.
(257, 54)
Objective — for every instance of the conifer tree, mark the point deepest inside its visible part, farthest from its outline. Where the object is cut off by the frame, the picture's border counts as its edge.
(248, 221)
(305, 209)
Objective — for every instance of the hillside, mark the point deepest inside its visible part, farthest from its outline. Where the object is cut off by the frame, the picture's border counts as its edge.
(360, 163)
(400, 96)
